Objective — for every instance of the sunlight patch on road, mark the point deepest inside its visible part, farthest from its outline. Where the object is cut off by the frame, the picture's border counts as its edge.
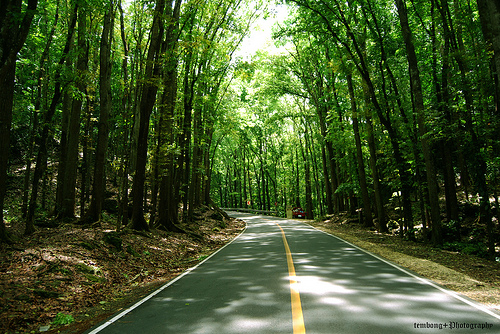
(315, 285)
(333, 301)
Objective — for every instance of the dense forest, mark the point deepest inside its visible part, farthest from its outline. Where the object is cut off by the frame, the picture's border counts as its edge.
(145, 109)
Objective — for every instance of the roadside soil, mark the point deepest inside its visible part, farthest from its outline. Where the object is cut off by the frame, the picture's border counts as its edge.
(67, 279)
(471, 276)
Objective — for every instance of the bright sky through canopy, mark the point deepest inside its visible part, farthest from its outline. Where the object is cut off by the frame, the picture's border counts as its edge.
(260, 37)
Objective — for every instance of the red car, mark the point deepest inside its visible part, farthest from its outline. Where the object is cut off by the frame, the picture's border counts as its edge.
(298, 213)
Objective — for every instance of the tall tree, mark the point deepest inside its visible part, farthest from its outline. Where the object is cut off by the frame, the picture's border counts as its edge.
(68, 174)
(489, 12)
(148, 99)
(168, 203)
(418, 101)
(14, 28)
(99, 186)
(44, 134)
(367, 212)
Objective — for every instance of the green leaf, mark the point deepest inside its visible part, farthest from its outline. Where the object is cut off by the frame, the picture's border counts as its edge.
(63, 319)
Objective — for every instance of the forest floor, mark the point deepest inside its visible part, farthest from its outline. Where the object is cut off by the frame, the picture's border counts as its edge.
(474, 277)
(67, 279)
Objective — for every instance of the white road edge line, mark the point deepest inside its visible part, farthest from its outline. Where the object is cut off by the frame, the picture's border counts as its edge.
(426, 281)
(160, 289)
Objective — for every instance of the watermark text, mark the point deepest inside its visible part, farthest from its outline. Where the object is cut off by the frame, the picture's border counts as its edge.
(452, 325)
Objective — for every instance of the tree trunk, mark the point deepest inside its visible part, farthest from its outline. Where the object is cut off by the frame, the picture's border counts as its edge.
(169, 191)
(367, 211)
(13, 34)
(418, 101)
(43, 136)
(155, 170)
(185, 140)
(489, 13)
(296, 189)
(63, 146)
(195, 163)
(452, 211)
(85, 174)
(443, 103)
(318, 203)
(377, 187)
(148, 99)
(492, 26)
(308, 193)
(250, 191)
(123, 216)
(99, 186)
(42, 78)
(326, 164)
(168, 201)
(7, 75)
(27, 173)
(68, 199)
(245, 196)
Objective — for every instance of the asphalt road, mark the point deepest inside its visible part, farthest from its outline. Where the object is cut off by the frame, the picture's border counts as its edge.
(252, 286)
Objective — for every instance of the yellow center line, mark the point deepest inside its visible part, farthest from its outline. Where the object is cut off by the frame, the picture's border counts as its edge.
(297, 317)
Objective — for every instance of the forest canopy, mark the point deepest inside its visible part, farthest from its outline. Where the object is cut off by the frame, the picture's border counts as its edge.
(146, 110)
